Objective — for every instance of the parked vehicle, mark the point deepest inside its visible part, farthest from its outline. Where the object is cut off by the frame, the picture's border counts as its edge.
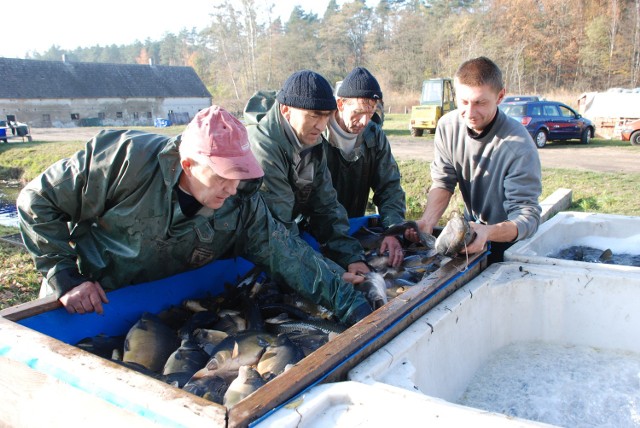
(631, 132)
(550, 121)
(437, 98)
(515, 98)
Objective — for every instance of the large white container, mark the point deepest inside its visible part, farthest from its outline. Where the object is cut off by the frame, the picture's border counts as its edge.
(353, 404)
(621, 234)
(509, 303)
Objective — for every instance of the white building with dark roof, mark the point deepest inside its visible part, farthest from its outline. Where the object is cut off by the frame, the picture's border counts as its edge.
(65, 94)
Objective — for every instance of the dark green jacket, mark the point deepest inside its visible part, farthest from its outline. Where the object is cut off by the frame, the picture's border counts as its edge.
(316, 202)
(110, 213)
(370, 166)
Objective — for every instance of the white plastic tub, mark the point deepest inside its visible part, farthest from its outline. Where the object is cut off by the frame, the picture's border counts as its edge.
(353, 404)
(507, 304)
(621, 234)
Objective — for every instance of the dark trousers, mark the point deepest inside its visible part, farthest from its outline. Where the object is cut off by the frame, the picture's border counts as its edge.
(497, 250)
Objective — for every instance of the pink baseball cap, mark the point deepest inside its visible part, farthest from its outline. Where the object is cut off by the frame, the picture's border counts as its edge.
(222, 139)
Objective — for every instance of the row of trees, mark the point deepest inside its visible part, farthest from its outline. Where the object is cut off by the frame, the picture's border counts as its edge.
(542, 46)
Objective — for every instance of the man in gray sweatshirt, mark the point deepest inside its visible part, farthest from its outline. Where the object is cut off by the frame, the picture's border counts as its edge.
(492, 159)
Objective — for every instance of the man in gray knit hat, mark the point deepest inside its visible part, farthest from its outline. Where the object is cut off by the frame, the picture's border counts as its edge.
(285, 131)
(359, 157)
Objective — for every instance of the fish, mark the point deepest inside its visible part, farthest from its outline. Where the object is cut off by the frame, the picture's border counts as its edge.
(245, 349)
(314, 310)
(309, 341)
(149, 343)
(102, 345)
(230, 321)
(278, 356)
(455, 236)
(184, 362)
(605, 256)
(306, 326)
(374, 289)
(208, 339)
(199, 319)
(210, 384)
(247, 382)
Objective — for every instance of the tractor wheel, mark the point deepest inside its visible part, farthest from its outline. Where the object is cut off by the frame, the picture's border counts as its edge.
(416, 132)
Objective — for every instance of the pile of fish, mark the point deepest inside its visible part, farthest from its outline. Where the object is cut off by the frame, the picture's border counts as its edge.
(421, 258)
(587, 254)
(225, 347)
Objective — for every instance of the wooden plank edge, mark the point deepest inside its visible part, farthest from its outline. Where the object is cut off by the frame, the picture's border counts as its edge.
(30, 309)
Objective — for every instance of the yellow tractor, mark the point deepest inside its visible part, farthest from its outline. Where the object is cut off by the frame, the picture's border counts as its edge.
(437, 98)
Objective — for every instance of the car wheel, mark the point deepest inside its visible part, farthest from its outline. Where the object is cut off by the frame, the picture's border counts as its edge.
(415, 132)
(585, 137)
(540, 139)
(635, 138)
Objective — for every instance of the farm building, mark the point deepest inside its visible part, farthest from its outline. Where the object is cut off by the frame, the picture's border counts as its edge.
(64, 94)
(610, 110)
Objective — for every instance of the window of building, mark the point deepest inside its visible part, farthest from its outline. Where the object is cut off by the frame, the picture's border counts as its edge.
(101, 115)
(136, 115)
(118, 115)
(75, 116)
(149, 115)
(46, 118)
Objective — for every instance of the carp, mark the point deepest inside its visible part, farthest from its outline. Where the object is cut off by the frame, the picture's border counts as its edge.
(278, 356)
(149, 343)
(455, 236)
(247, 382)
(184, 362)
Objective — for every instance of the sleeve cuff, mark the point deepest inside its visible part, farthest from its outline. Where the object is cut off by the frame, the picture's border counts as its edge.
(65, 280)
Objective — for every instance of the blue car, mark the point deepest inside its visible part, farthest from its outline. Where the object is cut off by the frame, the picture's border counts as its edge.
(550, 121)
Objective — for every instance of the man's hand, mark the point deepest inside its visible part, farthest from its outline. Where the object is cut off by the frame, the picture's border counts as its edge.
(358, 268)
(352, 278)
(479, 243)
(412, 235)
(85, 298)
(394, 248)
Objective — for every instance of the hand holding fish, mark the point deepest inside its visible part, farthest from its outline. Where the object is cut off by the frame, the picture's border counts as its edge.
(479, 242)
(394, 249)
(85, 298)
(352, 278)
(358, 268)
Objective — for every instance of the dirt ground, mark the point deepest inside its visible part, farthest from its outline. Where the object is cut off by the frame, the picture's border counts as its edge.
(556, 155)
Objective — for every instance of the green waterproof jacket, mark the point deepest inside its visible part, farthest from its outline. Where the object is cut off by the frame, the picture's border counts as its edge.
(110, 214)
(286, 197)
(370, 166)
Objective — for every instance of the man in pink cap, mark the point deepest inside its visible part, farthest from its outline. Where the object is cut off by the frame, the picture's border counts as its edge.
(135, 207)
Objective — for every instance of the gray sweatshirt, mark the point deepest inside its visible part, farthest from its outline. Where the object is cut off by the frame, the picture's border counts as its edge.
(498, 174)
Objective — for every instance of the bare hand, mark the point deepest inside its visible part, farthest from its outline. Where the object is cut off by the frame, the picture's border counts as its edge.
(352, 278)
(412, 234)
(479, 243)
(394, 248)
(85, 298)
(358, 268)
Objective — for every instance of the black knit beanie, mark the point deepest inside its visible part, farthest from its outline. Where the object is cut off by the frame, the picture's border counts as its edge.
(360, 84)
(308, 90)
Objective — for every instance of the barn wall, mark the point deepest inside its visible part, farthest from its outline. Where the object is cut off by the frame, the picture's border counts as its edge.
(57, 113)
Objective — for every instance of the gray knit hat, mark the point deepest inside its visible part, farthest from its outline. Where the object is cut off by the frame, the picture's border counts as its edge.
(308, 90)
(360, 83)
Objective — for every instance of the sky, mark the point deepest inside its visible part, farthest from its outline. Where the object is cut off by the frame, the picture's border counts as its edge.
(36, 25)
